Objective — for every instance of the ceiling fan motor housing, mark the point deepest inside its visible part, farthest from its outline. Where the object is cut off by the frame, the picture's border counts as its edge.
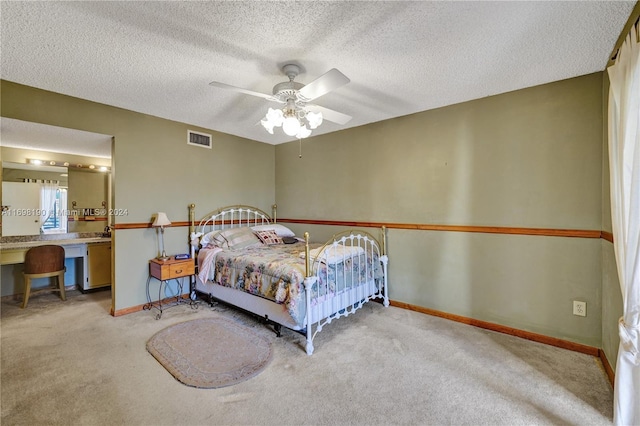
(291, 71)
(286, 90)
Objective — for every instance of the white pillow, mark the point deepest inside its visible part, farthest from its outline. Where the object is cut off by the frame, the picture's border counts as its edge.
(334, 254)
(281, 230)
(208, 238)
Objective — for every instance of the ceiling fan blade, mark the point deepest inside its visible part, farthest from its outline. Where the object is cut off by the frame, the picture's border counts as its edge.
(327, 82)
(245, 91)
(329, 114)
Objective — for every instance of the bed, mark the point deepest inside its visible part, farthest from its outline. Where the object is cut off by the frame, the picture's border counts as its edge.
(247, 260)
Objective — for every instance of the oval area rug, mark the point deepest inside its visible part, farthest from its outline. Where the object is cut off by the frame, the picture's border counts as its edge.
(210, 352)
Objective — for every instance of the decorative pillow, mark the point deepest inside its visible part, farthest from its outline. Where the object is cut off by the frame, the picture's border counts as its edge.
(289, 240)
(219, 240)
(269, 237)
(239, 238)
(281, 230)
(209, 238)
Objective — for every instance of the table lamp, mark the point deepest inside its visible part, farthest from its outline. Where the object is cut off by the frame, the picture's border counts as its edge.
(160, 222)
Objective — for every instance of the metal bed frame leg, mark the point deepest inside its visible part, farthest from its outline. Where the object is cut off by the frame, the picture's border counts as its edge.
(384, 259)
(308, 284)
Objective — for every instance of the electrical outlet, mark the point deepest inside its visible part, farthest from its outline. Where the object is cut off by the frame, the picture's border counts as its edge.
(580, 308)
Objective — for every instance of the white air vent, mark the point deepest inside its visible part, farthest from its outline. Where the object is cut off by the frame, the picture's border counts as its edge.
(198, 139)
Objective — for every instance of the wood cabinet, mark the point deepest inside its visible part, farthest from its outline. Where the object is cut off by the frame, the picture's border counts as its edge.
(98, 265)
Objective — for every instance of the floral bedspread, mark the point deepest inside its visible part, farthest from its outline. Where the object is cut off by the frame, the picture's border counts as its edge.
(277, 273)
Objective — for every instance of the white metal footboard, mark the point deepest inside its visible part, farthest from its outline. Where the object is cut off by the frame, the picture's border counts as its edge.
(348, 271)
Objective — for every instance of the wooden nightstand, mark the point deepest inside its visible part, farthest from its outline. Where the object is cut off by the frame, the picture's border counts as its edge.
(164, 271)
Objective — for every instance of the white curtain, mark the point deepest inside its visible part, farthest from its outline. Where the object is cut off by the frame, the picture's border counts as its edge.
(47, 201)
(624, 163)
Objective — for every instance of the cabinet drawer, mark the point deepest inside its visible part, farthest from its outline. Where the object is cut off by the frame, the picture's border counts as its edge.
(181, 269)
(170, 269)
(75, 250)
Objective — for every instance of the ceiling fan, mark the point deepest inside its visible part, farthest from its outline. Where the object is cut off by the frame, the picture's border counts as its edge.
(297, 116)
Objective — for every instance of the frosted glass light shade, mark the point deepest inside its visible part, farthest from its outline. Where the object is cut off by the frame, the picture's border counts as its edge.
(314, 119)
(304, 132)
(291, 126)
(268, 125)
(275, 117)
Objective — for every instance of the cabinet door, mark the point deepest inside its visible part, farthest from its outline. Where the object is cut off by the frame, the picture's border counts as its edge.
(99, 270)
(23, 200)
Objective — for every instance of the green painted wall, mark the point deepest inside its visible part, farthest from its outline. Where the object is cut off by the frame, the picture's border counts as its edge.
(153, 169)
(530, 158)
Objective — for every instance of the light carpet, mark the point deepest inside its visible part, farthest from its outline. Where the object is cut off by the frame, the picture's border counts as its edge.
(71, 363)
(210, 352)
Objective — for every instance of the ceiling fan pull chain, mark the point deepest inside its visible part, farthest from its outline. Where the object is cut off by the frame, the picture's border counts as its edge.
(300, 153)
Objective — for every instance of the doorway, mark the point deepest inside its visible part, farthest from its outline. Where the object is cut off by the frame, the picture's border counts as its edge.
(56, 185)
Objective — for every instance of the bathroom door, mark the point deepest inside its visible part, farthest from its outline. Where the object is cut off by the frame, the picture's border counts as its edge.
(22, 216)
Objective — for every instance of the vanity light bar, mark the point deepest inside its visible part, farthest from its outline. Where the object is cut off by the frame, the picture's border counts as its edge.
(37, 162)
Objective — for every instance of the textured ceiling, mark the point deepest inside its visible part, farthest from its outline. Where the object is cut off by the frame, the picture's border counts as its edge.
(402, 57)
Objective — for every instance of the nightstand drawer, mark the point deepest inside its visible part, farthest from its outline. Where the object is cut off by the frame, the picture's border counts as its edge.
(181, 269)
(171, 268)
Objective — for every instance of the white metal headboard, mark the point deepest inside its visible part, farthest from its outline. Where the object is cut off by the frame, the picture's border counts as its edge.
(225, 218)
(233, 217)
(230, 217)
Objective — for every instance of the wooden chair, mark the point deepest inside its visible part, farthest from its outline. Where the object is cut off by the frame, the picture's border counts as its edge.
(41, 262)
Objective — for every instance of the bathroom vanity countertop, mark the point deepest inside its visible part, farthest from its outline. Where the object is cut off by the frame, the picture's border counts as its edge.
(61, 242)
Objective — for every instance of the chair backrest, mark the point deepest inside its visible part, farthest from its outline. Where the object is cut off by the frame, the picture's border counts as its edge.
(43, 259)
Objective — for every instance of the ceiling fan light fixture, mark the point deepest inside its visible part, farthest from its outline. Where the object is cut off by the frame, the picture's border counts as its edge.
(294, 117)
(295, 121)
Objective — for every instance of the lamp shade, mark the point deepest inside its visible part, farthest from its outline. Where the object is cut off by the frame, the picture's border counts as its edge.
(161, 220)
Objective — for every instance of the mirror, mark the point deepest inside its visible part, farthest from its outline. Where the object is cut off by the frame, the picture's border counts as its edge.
(73, 178)
(25, 187)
